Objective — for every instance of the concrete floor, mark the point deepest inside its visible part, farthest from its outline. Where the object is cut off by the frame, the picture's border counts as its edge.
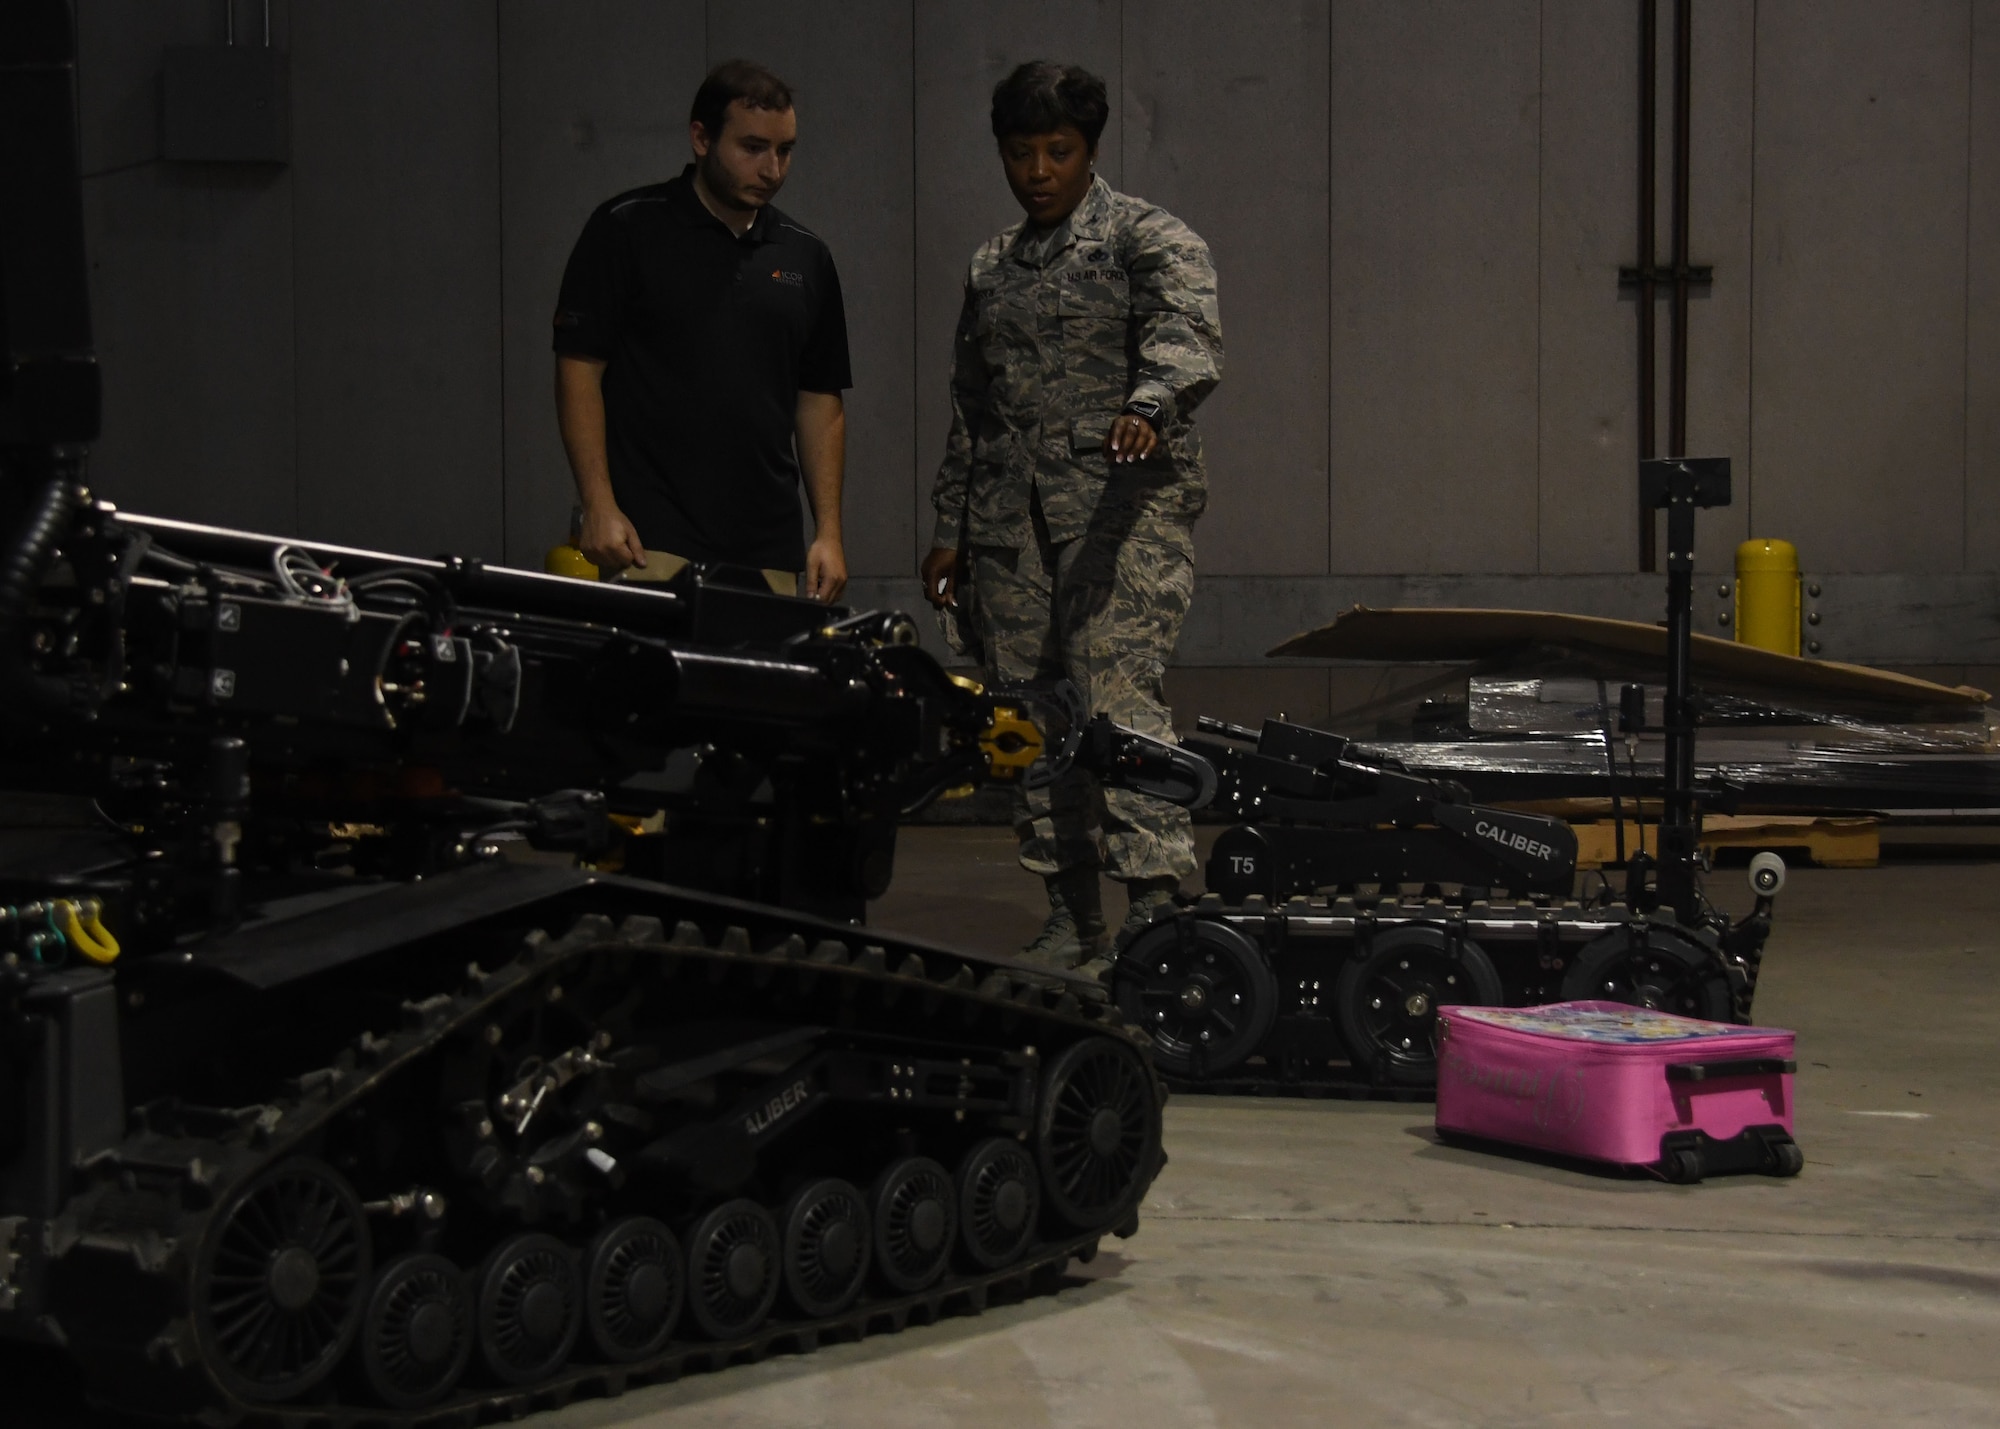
(1330, 1263)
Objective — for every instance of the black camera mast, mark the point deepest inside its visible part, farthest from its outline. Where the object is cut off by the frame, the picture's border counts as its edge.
(1680, 485)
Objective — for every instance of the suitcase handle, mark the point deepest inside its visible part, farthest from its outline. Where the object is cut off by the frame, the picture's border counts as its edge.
(1705, 1071)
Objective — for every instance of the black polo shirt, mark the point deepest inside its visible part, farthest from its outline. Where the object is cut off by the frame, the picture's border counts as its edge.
(708, 340)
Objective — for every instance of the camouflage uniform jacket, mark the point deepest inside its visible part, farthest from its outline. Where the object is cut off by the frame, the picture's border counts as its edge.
(1058, 332)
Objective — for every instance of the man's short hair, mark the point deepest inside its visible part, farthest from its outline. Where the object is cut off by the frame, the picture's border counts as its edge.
(730, 81)
(1041, 96)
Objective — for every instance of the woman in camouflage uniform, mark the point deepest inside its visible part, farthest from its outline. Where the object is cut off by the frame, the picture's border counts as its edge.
(1073, 476)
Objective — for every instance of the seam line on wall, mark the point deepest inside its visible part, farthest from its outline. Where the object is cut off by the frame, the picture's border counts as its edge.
(1333, 303)
(1750, 320)
(500, 268)
(916, 549)
(1541, 315)
(292, 240)
(1965, 374)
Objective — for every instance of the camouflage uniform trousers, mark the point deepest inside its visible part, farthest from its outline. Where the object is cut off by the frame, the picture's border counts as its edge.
(1104, 610)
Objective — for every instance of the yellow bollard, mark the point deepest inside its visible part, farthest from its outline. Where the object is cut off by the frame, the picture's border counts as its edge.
(1767, 595)
(569, 560)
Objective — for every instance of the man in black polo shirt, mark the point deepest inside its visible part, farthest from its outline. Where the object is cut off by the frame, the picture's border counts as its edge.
(701, 353)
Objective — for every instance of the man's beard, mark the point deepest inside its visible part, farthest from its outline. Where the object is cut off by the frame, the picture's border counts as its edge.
(725, 191)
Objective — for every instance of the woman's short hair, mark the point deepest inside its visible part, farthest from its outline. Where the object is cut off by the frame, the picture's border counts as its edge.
(1041, 96)
(730, 81)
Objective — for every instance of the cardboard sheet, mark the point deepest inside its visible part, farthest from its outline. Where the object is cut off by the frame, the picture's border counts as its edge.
(1446, 634)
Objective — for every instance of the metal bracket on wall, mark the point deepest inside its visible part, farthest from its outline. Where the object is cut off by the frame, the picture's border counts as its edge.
(1695, 273)
(226, 104)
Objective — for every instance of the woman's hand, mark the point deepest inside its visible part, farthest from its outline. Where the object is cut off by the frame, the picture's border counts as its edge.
(940, 576)
(1132, 439)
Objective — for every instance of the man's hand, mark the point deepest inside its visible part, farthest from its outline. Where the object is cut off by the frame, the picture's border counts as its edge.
(939, 573)
(826, 569)
(610, 542)
(1132, 439)
(820, 420)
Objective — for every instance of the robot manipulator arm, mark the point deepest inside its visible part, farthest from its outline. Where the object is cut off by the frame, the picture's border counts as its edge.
(1122, 758)
(1118, 757)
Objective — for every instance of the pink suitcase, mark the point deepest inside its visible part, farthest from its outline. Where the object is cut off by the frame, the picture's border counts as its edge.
(1611, 1082)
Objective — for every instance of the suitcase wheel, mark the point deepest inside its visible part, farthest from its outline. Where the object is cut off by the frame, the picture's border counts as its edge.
(1689, 1156)
(1682, 1165)
(1786, 1158)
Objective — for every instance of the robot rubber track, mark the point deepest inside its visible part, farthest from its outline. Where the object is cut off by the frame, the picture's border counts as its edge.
(134, 1270)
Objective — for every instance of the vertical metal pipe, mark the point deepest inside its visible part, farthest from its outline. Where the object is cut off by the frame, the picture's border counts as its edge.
(1677, 393)
(1677, 829)
(1648, 107)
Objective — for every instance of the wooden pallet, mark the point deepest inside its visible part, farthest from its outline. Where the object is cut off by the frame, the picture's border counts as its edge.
(1829, 843)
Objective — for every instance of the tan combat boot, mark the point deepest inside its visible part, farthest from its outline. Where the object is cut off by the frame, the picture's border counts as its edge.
(1075, 931)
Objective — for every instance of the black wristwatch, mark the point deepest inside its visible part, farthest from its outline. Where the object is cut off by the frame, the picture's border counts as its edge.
(1149, 410)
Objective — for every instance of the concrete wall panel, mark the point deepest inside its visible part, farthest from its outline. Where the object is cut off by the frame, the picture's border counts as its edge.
(593, 101)
(1206, 88)
(1982, 346)
(962, 51)
(191, 286)
(1588, 360)
(191, 289)
(1472, 168)
(851, 182)
(1719, 219)
(393, 127)
(118, 71)
(1859, 367)
(1434, 241)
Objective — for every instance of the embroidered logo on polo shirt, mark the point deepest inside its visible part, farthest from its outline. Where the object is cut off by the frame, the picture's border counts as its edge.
(790, 280)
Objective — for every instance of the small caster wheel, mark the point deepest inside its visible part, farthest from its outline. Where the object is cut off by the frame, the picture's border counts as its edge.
(916, 1220)
(633, 1286)
(529, 1309)
(999, 1197)
(1786, 1159)
(1682, 1166)
(733, 1269)
(826, 1236)
(417, 1332)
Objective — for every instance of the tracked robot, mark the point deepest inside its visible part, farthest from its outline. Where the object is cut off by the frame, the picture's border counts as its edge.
(1308, 967)
(464, 1005)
